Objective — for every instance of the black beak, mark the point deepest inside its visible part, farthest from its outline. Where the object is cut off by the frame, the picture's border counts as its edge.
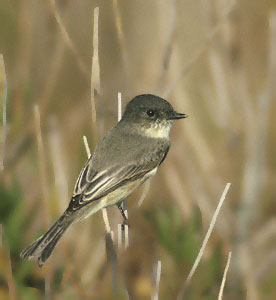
(176, 116)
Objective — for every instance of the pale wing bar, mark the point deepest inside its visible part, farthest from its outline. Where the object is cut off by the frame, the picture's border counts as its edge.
(107, 183)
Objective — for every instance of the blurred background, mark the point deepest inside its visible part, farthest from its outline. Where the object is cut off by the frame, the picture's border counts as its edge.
(214, 60)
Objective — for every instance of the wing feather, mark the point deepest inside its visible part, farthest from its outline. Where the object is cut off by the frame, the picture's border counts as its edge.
(93, 185)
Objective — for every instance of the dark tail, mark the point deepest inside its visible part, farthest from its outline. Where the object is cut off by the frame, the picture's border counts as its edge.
(42, 248)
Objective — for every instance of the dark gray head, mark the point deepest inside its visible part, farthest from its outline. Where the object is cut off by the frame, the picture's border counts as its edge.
(152, 108)
(151, 115)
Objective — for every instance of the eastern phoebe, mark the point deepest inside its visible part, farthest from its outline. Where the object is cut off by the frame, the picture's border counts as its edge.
(127, 156)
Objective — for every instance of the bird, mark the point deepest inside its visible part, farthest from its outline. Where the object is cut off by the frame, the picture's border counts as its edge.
(124, 159)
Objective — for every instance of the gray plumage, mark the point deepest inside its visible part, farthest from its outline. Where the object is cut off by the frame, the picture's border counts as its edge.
(127, 156)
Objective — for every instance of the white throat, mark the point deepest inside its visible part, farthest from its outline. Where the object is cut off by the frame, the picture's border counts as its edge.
(161, 130)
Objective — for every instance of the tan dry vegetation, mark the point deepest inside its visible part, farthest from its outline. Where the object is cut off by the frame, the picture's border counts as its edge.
(213, 60)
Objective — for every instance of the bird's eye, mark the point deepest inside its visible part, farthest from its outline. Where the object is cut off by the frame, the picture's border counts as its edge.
(150, 113)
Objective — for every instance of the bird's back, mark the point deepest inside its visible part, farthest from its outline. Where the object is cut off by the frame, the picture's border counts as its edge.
(118, 150)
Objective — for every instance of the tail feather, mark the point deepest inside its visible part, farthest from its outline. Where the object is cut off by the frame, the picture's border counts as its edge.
(42, 248)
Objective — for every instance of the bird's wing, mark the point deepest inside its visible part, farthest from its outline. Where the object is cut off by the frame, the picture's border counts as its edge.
(92, 185)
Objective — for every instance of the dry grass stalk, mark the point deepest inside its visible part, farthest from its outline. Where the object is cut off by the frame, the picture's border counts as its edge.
(44, 186)
(266, 233)
(50, 84)
(119, 236)
(1, 236)
(256, 124)
(126, 230)
(88, 152)
(95, 68)
(196, 139)
(157, 281)
(177, 190)
(106, 222)
(122, 227)
(42, 166)
(168, 49)
(144, 194)
(54, 68)
(5, 84)
(95, 85)
(108, 230)
(256, 121)
(221, 84)
(68, 40)
(224, 276)
(119, 106)
(11, 284)
(95, 73)
(104, 212)
(58, 166)
(204, 243)
(118, 25)
(214, 32)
